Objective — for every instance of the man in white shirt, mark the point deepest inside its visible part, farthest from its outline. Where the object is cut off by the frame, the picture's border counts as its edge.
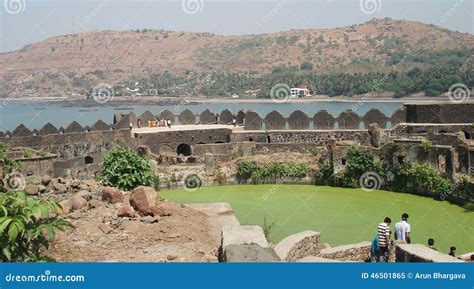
(402, 229)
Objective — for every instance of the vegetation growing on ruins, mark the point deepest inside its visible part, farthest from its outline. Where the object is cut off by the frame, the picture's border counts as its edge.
(416, 178)
(426, 145)
(126, 170)
(8, 164)
(270, 172)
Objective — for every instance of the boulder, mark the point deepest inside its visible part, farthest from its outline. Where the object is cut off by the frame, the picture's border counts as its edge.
(162, 210)
(149, 219)
(105, 228)
(78, 202)
(59, 188)
(125, 211)
(142, 199)
(298, 246)
(95, 204)
(85, 194)
(45, 180)
(41, 189)
(32, 190)
(66, 206)
(112, 195)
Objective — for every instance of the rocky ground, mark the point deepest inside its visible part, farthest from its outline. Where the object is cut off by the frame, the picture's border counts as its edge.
(116, 226)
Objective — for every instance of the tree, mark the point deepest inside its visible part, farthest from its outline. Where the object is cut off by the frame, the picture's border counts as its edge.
(306, 66)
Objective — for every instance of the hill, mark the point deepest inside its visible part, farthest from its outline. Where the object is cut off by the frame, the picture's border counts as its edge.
(167, 62)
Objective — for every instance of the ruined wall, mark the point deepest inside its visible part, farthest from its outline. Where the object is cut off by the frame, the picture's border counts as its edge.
(440, 113)
(319, 138)
(84, 145)
(322, 120)
(170, 141)
(421, 253)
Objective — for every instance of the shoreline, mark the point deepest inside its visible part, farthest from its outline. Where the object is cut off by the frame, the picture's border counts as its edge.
(164, 101)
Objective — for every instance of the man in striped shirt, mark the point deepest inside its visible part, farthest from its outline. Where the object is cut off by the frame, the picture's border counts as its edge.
(383, 232)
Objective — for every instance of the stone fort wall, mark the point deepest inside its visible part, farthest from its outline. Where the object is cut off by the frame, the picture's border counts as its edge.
(297, 120)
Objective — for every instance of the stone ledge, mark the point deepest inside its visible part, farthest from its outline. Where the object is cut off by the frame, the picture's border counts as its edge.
(249, 253)
(352, 252)
(213, 208)
(298, 246)
(421, 253)
(243, 235)
(315, 259)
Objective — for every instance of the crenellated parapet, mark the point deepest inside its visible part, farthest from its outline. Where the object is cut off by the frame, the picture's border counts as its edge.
(321, 120)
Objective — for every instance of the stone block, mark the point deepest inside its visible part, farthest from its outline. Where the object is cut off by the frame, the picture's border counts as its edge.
(298, 246)
(250, 253)
(421, 253)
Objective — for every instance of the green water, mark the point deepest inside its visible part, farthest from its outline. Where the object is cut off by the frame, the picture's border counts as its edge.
(342, 215)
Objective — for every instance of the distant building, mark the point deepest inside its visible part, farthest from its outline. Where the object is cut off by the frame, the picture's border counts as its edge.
(300, 92)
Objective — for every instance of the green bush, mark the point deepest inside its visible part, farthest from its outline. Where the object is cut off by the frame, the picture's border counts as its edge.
(271, 171)
(26, 226)
(8, 165)
(423, 178)
(126, 170)
(325, 175)
(360, 161)
(426, 145)
(469, 207)
(245, 170)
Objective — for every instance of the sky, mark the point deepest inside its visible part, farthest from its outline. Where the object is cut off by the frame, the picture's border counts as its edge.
(27, 21)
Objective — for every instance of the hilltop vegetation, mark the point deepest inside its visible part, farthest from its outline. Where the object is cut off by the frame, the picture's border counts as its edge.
(401, 57)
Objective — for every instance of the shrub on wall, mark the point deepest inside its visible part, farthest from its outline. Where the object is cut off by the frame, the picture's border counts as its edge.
(8, 164)
(271, 171)
(426, 145)
(360, 161)
(126, 170)
(325, 175)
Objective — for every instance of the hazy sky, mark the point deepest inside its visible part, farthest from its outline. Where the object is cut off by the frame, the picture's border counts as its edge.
(27, 21)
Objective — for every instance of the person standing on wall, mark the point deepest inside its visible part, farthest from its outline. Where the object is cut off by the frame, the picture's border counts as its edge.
(402, 230)
(383, 232)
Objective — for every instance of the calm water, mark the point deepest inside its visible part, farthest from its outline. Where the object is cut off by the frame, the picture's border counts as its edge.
(36, 114)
